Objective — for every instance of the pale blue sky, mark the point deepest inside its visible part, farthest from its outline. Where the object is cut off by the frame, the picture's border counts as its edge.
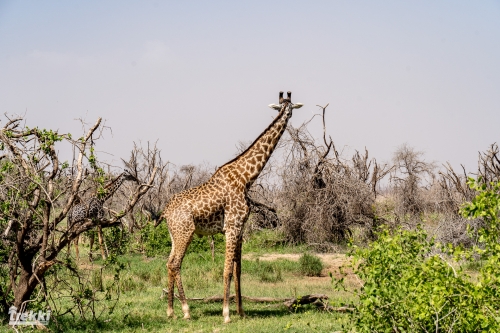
(198, 76)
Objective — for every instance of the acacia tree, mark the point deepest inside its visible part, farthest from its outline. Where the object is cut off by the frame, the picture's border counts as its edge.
(37, 190)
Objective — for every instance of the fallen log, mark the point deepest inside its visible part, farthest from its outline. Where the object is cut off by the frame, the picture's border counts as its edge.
(319, 300)
(307, 299)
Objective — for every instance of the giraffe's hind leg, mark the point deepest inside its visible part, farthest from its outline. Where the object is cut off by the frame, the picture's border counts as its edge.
(181, 239)
(237, 276)
(235, 218)
(171, 282)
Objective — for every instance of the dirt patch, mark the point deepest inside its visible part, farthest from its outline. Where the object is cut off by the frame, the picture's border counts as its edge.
(332, 262)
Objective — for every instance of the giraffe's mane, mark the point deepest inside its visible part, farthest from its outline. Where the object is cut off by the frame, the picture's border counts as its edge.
(255, 141)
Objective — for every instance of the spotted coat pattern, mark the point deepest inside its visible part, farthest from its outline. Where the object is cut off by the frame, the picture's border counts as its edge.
(92, 208)
(220, 206)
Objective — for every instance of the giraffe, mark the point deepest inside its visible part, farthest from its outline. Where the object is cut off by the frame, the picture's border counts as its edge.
(92, 208)
(221, 205)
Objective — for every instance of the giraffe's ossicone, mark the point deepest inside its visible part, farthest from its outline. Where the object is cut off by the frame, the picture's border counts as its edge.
(221, 206)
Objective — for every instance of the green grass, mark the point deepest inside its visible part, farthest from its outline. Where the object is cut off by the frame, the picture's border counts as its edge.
(140, 308)
(208, 318)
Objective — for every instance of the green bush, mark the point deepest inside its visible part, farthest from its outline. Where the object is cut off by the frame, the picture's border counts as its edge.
(117, 239)
(156, 241)
(407, 287)
(310, 265)
(202, 244)
(265, 241)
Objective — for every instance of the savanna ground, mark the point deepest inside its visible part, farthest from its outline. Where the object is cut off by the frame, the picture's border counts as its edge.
(269, 269)
(320, 201)
(266, 272)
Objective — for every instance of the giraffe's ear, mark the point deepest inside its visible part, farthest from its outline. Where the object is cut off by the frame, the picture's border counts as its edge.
(275, 106)
(297, 105)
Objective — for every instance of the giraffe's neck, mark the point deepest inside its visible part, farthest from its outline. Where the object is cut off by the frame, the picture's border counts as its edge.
(112, 187)
(251, 162)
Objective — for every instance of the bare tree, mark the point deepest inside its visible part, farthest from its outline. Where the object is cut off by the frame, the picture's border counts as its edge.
(453, 191)
(410, 171)
(37, 190)
(322, 195)
(489, 165)
(369, 171)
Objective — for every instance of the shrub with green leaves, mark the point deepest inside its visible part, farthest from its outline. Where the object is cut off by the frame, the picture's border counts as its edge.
(202, 244)
(310, 265)
(156, 241)
(117, 240)
(407, 287)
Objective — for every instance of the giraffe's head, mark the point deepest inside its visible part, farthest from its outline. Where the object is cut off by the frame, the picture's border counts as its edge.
(285, 104)
(128, 175)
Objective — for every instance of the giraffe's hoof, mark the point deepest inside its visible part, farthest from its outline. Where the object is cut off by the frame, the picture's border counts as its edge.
(227, 320)
(242, 313)
(170, 314)
(185, 310)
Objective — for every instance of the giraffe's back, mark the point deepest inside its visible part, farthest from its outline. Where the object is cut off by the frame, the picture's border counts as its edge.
(88, 209)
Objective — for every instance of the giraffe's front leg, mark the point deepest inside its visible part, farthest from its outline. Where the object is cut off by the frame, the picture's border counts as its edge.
(231, 245)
